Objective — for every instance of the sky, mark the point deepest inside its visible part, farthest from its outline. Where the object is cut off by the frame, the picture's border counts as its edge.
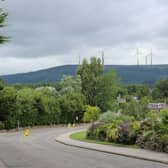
(48, 33)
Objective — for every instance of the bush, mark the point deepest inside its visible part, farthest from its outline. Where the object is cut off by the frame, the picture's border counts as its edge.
(101, 132)
(134, 130)
(112, 134)
(145, 125)
(123, 133)
(1, 125)
(164, 117)
(154, 143)
(111, 117)
(91, 132)
(135, 109)
(151, 133)
(126, 118)
(108, 117)
(164, 142)
(143, 138)
(91, 114)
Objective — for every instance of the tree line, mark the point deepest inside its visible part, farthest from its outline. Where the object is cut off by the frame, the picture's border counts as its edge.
(67, 100)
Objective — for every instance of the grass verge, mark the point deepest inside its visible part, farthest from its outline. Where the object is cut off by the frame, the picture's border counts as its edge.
(81, 136)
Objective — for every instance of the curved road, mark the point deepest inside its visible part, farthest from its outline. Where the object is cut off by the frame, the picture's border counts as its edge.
(40, 150)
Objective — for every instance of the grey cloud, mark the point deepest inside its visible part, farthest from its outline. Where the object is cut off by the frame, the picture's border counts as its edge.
(42, 28)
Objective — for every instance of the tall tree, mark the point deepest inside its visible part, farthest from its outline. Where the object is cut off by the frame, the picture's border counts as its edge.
(138, 90)
(72, 105)
(107, 90)
(26, 113)
(90, 74)
(161, 89)
(8, 106)
(2, 84)
(70, 84)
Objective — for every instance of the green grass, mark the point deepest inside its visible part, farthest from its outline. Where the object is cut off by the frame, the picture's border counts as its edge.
(81, 136)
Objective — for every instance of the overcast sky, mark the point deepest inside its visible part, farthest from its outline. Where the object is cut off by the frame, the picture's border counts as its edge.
(46, 33)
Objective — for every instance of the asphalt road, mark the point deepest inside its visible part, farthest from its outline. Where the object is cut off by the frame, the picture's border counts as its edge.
(40, 150)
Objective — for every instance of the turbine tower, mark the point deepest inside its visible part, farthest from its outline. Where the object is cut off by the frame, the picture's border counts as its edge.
(103, 58)
(146, 60)
(151, 54)
(79, 59)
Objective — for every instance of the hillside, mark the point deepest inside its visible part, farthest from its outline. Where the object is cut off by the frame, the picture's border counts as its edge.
(127, 74)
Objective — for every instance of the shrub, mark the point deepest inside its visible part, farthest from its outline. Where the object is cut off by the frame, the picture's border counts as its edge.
(123, 133)
(126, 118)
(112, 134)
(108, 117)
(143, 138)
(164, 117)
(151, 133)
(1, 125)
(151, 140)
(101, 132)
(134, 130)
(128, 132)
(91, 132)
(136, 109)
(91, 114)
(154, 143)
(164, 142)
(111, 117)
(161, 128)
(145, 125)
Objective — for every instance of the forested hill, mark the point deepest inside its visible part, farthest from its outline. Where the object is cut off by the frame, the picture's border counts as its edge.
(127, 73)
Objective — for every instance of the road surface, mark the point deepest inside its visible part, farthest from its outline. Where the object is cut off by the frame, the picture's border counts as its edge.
(40, 150)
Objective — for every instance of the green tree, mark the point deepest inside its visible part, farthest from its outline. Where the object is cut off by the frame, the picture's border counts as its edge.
(72, 106)
(138, 90)
(8, 107)
(138, 109)
(47, 90)
(47, 105)
(107, 89)
(53, 111)
(27, 113)
(161, 89)
(90, 74)
(2, 84)
(70, 84)
(91, 114)
(3, 16)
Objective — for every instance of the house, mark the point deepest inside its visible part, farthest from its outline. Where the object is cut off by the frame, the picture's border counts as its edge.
(157, 106)
(121, 100)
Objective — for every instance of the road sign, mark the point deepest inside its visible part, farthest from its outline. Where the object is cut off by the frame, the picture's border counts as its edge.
(77, 118)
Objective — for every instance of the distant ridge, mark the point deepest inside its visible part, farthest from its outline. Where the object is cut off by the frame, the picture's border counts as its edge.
(146, 74)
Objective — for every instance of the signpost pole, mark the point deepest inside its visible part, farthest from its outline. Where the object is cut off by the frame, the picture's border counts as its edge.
(18, 125)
